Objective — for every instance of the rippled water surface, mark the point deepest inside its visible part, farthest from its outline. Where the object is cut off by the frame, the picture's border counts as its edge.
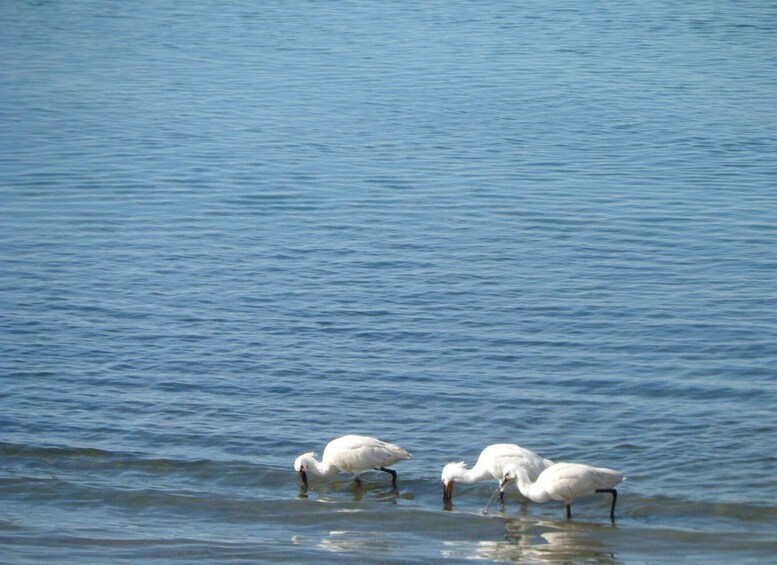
(234, 231)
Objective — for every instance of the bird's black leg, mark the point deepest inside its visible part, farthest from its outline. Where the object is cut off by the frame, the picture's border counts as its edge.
(391, 472)
(357, 480)
(614, 494)
(502, 496)
(569, 511)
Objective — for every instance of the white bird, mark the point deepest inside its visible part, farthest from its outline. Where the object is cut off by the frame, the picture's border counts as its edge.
(351, 454)
(491, 465)
(565, 481)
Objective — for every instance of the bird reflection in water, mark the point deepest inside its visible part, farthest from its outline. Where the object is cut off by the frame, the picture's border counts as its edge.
(350, 541)
(336, 492)
(533, 541)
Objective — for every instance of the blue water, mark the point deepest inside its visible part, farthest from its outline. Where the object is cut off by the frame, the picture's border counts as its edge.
(234, 231)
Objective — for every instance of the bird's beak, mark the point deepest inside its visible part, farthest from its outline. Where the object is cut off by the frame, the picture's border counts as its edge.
(304, 480)
(447, 491)
(503, 483)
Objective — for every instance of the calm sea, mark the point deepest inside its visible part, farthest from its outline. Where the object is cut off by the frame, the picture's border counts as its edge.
(232, 231)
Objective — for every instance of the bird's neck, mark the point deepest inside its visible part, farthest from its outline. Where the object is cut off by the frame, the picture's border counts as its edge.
(474, 475)
(322, 468)
(527, 488)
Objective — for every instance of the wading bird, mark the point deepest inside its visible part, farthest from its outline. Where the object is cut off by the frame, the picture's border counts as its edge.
(565, 481)
(351, 454)
(491, 464)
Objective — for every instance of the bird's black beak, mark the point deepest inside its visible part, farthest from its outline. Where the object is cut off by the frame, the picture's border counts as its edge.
(503, 483)
(447, 491)
(303, 480)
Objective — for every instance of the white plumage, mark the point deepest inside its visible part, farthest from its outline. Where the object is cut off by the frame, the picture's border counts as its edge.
(565, 482)
(351, 454)
(491, 464)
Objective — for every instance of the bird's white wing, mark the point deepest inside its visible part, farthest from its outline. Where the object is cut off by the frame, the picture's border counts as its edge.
(570, 480)
(607, 478)
(357, 453)
(504, 455)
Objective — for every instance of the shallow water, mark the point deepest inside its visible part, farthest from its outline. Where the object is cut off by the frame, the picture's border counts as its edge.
(232, 232)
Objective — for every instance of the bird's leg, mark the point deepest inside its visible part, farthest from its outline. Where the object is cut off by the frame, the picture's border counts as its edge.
(614, 498)
(501, 496)
(569, 511)
(391, 472)
(357, 480)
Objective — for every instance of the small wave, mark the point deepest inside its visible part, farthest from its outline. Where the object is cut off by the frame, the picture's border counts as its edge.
(12, 449)
(649, 508)
(68, 461)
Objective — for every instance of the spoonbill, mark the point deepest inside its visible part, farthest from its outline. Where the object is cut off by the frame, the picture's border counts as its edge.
(351, 454)
(491, 464)
(565, 481)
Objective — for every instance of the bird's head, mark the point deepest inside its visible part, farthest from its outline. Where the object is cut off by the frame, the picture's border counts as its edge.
(513, 472)
(303, 461)
(508, 476)
(449, 475)
(301, 465)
